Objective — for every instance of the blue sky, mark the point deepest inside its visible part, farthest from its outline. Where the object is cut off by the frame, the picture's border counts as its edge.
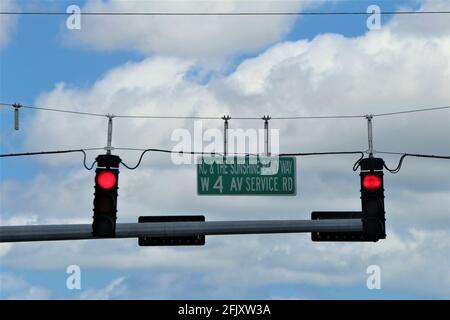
(38, 57)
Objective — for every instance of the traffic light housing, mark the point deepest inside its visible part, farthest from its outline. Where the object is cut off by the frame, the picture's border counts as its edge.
(372, 203)
(105, 196)
(372, 199)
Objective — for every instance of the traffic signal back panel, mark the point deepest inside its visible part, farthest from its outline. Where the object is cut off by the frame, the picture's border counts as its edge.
(197, 240)
(337, 236)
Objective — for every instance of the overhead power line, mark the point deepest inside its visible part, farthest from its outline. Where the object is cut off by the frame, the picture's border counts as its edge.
(318, 117)
(404, 155)
(409, 111)
(166, 117)
(415, 155)
(144, 151)
(299, 154)
(223, 13)
(167, 151)
(156, 150)
(83, 151)
(209, 117)
(226, 118)
(54, 110)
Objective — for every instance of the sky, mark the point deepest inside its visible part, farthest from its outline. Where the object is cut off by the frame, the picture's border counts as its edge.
(213, 66)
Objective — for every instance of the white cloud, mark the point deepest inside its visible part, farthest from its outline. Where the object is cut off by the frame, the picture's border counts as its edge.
(416, 263)
(380, 71)
(32, 293)
(7, 22)
(11, 282)
(5, 248)
(422, 26)
(184, 35)
(16, 288)
(116, 289)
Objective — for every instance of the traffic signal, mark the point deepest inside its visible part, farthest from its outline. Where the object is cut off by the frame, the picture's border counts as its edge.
(372, 199)
(372, 203)
(105, 196)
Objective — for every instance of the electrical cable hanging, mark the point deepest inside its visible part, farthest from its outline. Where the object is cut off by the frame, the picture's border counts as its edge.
(299, 154)
(55, 152)
(404, 155)
(144, 151)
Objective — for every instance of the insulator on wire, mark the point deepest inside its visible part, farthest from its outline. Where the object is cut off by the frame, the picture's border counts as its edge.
(266, 129)
(16, 107)
(225, 134)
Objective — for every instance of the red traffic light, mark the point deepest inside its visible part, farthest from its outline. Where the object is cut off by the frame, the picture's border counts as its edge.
(371, 182)
(106, 180)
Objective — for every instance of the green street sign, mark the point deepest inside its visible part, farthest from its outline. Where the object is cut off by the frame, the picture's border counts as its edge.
(272, 176)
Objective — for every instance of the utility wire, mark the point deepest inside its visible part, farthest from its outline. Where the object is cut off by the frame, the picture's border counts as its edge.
(144, 151)
(404, 155)
(303, 154)
(166, 117)
(409, 111)
(157, 150)
(279, 13)
(299, 154)
(400, 162)
(415, 155)
(55, 110)
(219, 118)
(318, 117)
(54, 152)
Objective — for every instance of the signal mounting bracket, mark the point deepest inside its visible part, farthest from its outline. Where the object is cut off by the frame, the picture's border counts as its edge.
(371, 164)
(108, 147)
(108, 161)
(369, 118)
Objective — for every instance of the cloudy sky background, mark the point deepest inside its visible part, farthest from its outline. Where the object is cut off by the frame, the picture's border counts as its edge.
(241, 66)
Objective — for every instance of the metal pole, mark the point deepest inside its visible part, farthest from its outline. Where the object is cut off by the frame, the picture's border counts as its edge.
(109, 139)
(370, 134)
(174, 229)
(225, 134)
